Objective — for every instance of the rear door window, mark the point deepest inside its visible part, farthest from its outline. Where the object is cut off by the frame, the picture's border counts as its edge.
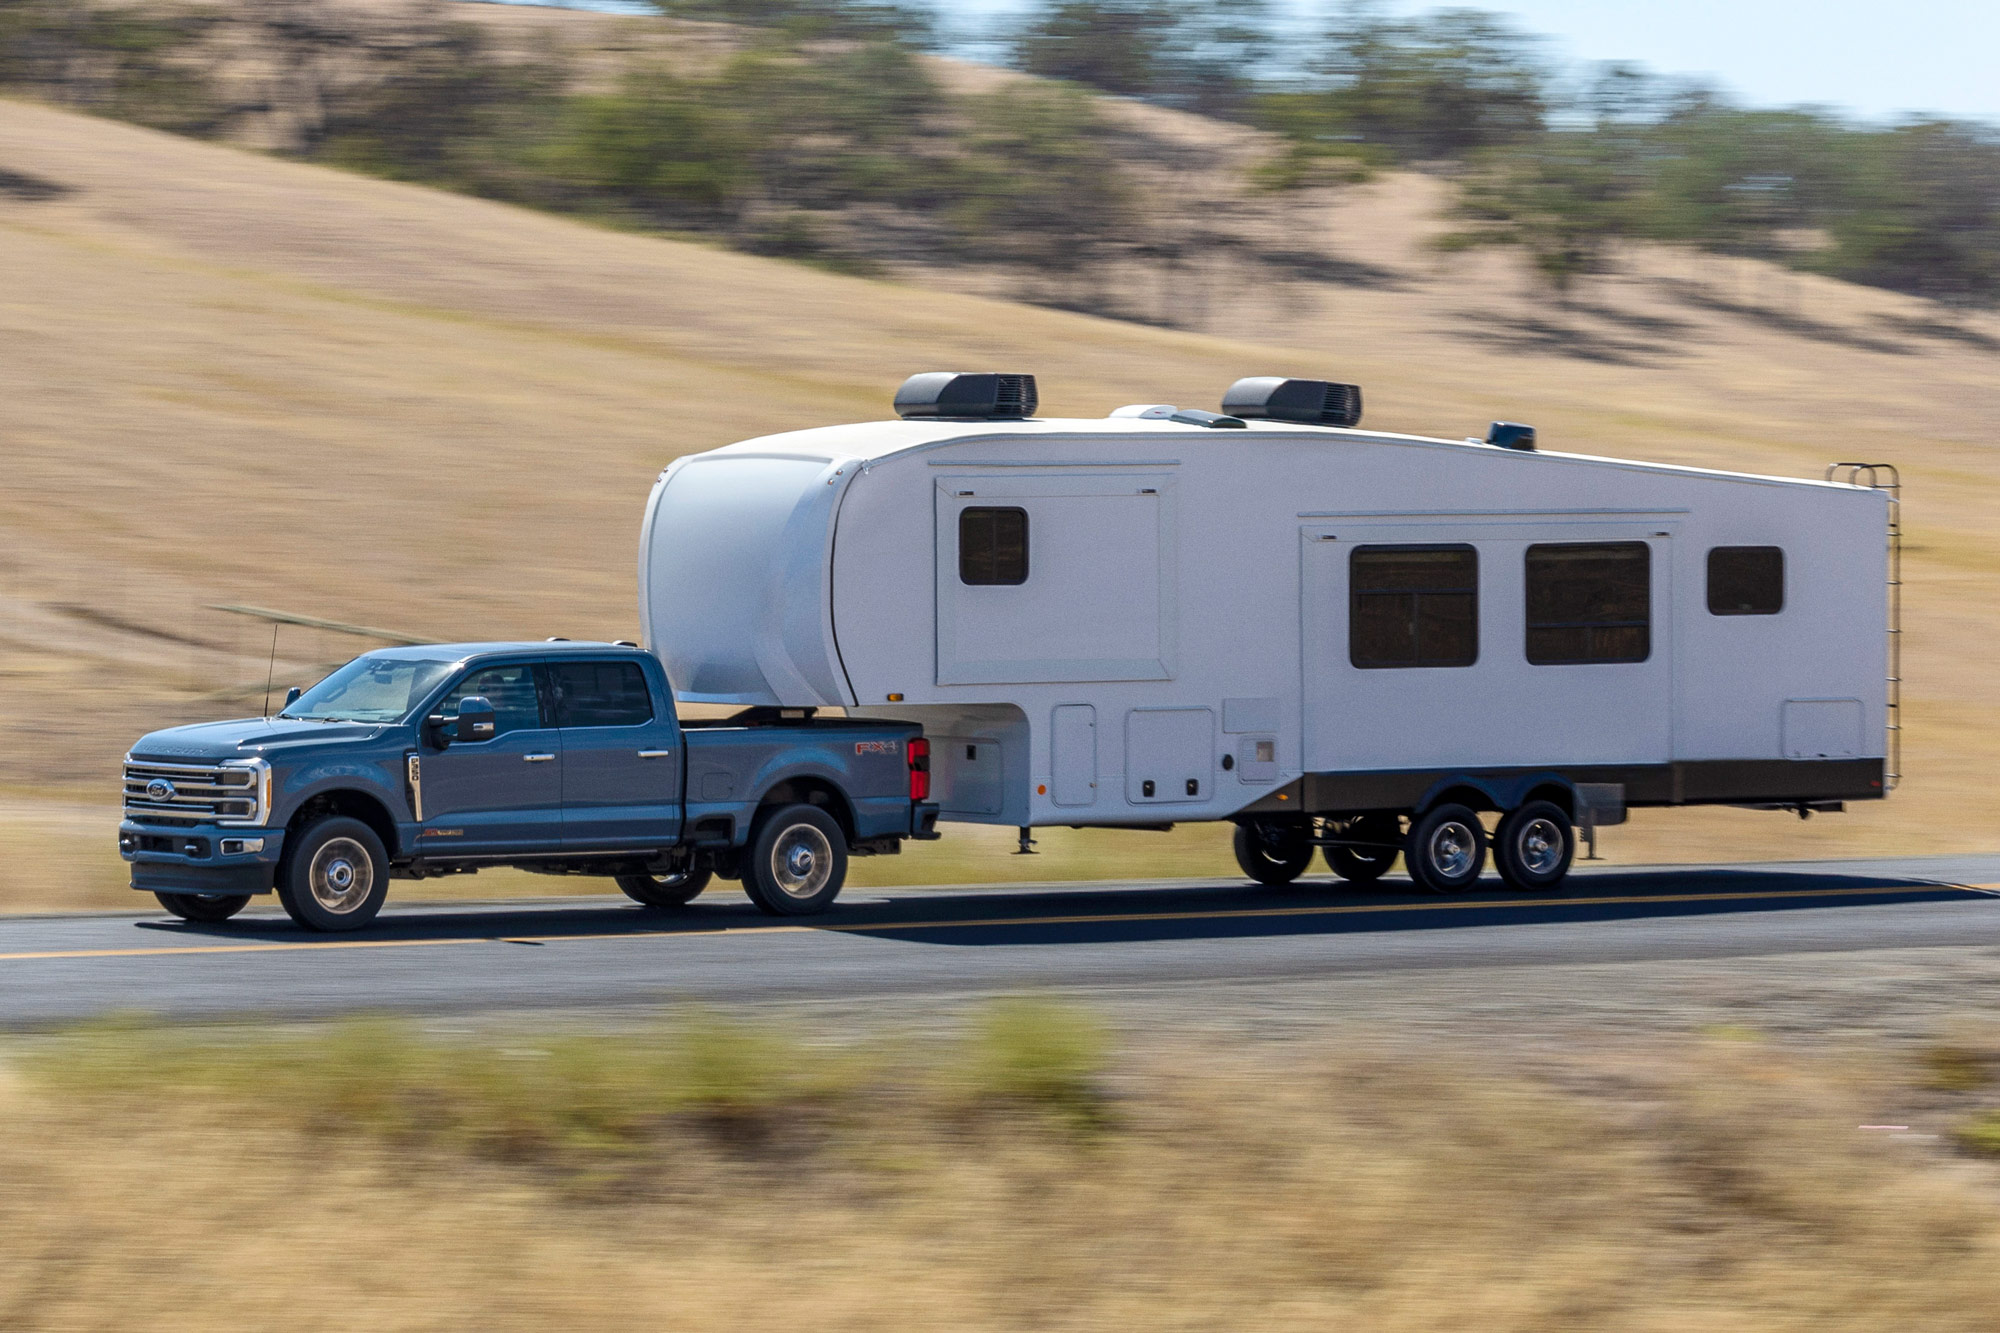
(601, 694)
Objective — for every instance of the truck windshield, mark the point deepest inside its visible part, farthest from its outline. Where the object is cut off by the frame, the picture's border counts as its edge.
(371, 689)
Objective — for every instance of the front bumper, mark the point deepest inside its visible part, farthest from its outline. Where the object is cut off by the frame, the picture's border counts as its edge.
(206, 859)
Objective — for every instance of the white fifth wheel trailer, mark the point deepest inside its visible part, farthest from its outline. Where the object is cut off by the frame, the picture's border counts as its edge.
(1336, 638)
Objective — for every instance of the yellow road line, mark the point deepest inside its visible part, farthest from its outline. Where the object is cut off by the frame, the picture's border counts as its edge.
(988, 923)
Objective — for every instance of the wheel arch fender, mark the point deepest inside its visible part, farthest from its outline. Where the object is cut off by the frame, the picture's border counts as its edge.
(1500, 795)
(808, 785)
(351, 801)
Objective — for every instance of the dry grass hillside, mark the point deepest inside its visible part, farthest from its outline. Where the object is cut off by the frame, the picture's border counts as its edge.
(228, 378)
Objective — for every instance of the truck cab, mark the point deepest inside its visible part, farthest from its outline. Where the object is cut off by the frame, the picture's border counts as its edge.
(558, 757)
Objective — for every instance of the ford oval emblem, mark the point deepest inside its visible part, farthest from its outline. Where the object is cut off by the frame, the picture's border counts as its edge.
(160, 790)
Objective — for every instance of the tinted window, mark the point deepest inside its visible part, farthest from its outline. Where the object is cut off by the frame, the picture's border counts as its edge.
(1589, 602)
(601, 694)
(993, 546)
(1746, 581)
(511, 691)
(1413, 606)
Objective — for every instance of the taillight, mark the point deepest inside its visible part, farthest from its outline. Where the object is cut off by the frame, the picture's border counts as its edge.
(920, 769)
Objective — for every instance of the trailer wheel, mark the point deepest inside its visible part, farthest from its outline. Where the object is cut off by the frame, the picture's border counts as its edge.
(335, 875)
(1273, 854)
(1446, 849)
(797, 861)
(676, 889)
(1365, 865)
(1533, 846)
(203, 907)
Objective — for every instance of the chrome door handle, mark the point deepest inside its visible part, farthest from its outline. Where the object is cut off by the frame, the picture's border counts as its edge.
(654, 754)
(538, 758)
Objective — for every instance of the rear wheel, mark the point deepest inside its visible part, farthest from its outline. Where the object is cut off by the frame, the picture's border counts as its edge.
(203, 906)
(1446, 849)
(335, 875)
(1533, 846)
(1273, 854)
(676, 889)
(797, 861)
(1379, 838)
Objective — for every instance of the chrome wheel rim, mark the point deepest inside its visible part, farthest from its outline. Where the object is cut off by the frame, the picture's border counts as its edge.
(801, 861)
(341, 875)
(1452, 849)
(1540, 844)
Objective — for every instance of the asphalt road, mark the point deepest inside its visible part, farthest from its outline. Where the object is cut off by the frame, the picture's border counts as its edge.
(912, 943)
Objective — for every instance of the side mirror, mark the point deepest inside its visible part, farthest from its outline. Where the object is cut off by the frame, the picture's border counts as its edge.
(292, 695)
(475, 719)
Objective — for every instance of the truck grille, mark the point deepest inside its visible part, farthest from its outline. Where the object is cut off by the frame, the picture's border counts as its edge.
(183, 795)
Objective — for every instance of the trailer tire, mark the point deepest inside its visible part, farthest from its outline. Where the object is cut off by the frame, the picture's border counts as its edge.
(203, 907)
(796, 861)
(1446, 849)
(676, 889)
(1365, 865)
(335, 875)
(1272, 854)
(1533, 846)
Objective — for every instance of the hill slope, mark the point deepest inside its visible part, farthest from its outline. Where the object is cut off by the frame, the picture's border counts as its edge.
(226, 378)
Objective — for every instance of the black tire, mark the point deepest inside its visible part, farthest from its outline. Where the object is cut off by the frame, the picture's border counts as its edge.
(1273, 854)
(1446, 849)
(347, 862)
(1365, 865)
(203, 907)
(796, 862)
(672, 890)
(1533, 847)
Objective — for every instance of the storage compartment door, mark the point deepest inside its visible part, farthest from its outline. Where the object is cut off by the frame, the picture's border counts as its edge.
(1169, 755)
(1073, 755)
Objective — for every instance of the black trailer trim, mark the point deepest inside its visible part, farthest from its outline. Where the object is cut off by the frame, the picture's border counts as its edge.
(1781, 782)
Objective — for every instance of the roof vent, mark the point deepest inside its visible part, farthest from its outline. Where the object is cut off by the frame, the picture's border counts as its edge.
(1313, 402)
(1511, 435)
(1187, 416)
(947, 394)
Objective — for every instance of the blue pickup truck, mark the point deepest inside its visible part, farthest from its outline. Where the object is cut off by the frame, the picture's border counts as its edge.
(562, 758)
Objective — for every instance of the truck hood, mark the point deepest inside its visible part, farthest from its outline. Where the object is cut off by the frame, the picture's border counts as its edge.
(248, 737)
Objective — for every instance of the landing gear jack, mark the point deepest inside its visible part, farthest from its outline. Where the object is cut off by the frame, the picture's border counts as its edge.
(1027, 847)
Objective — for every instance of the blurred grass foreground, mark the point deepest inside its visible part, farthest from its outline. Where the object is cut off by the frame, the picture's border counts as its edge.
(710, 1174)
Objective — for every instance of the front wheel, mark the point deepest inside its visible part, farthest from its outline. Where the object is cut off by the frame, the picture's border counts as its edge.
(203, 907)
(335, 875)
(1533, 846)
(1446, 849)
(797, 862)
(1273, 854)
(676, 889)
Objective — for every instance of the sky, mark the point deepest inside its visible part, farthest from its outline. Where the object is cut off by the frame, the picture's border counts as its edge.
(1874, 59)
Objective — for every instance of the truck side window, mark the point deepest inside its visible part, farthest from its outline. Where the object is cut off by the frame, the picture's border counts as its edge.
(1746, 581)
(992, 546)
(1413, 606)
(511, 691)
(1589, 602)
(601, 694)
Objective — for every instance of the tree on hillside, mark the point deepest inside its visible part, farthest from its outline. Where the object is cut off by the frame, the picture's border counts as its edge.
(1442, 85)
(1565, 200)
(1199, 56)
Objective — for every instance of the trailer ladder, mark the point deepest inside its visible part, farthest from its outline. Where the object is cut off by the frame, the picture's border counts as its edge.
(1884, 477)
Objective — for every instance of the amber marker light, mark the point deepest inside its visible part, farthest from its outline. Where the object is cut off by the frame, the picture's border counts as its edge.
(895, 698)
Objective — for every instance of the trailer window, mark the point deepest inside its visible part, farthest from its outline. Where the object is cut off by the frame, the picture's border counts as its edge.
(992, 546)
(1746, 581)
(1589, 602)
(1413, 606)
